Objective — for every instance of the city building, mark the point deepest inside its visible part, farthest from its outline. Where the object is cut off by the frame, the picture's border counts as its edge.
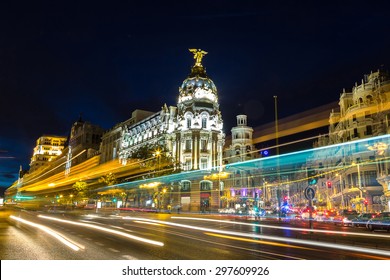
(241, 147)
(188, 135)
(362, 178)
(47, 148)
(110, 143)
(61, 156)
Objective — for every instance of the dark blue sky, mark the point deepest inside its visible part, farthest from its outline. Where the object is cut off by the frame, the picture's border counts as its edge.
(105, 59)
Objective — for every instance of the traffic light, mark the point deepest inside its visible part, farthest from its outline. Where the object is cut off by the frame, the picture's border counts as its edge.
(310, 174)
(365, 202)
(329, 184)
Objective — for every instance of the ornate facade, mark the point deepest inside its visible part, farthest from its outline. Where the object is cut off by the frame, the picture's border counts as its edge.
(191, 132)
(363, 179)
(241, 148)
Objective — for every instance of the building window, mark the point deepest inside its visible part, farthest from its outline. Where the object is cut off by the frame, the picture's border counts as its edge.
(203, 145)
(370, 178)
(204, 122)
(203, 163)
(188, 122)
(205, 186)
(188, 145)
(369, 130)
(186, 186)
(187, 164)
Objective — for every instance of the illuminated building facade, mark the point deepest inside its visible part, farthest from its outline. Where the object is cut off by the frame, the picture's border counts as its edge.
(363, 176)
(110, 144)
(47, 148)
(241, 148)
(190, 134)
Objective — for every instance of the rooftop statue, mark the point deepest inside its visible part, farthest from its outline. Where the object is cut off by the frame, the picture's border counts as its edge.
(198, 56)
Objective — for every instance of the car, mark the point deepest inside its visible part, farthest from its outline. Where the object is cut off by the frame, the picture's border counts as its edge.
(345, 217)
(362, 219)
(381, 221)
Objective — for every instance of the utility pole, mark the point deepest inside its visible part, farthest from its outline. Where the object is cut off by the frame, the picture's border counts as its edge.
(277, 154)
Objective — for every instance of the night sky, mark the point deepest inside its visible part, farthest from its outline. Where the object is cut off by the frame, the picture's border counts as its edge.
(105, 59)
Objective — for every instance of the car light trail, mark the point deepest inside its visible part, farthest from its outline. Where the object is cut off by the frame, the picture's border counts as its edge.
(274, 238)
(56, 235)
(258, 241)
(263, 252)
(149, 223)
(285, 228)
(112, 231)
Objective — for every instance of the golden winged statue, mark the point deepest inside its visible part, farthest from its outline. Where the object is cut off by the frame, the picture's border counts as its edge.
(198, 55)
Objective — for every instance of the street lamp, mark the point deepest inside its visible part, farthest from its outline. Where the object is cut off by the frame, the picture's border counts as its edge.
(341, 191)
(277, 153)
(359, 183)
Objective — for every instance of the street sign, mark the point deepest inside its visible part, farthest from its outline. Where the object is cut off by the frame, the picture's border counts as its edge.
(309, 193)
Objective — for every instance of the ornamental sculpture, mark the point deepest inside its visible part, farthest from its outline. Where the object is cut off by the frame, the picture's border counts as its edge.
(198, 56)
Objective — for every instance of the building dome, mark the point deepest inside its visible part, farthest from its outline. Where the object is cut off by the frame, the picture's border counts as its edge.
(192, 83)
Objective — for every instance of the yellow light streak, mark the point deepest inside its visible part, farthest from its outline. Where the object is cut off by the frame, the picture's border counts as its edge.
(284, 228)
(257, 241)
(275, 238)
(56, 235)
(148, 223)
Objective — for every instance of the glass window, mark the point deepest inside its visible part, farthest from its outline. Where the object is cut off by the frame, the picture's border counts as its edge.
(204, 122)
(203, 163)
(205, 186)
(185, 186)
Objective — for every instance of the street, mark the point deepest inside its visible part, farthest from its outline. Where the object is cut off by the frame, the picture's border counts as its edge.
(87, 235)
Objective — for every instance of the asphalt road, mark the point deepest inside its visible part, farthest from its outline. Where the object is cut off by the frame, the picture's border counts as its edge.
(87, 235)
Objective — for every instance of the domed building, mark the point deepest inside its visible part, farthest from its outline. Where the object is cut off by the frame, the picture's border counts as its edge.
(199, 136)
(190, 135)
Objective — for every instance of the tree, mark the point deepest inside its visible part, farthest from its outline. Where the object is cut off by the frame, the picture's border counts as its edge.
(108, 179)
(81, 189)
(157, 156)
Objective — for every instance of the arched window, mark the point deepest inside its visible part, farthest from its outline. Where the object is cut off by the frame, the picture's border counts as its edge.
(188, 122)
(204, 122)
(205, 186)
(185, 186)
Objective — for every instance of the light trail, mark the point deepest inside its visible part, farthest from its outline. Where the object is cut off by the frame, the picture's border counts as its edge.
(148, 223)
(274, 238)
(270, 255)
(284, 228)
(66, 241)
(116, 232)
(258, 241)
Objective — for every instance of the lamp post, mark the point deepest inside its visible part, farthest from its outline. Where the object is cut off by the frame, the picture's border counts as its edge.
(277, 153)
(359, 183)
(341, 191)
